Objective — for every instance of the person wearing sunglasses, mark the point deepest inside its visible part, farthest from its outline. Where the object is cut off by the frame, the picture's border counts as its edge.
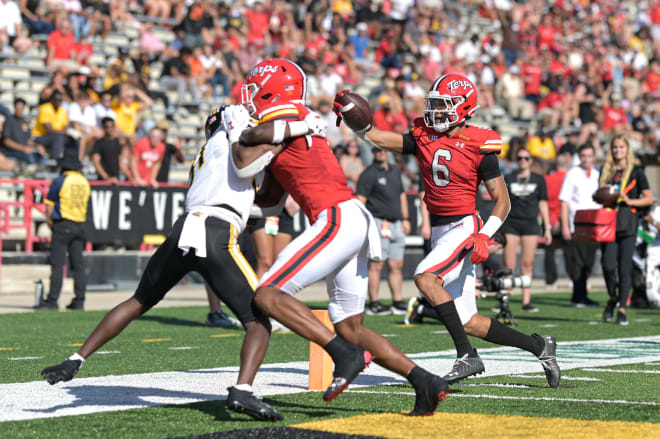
(529, 196)
(617, 256)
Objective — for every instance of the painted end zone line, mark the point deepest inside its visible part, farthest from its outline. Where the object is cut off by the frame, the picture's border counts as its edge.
(523, 398)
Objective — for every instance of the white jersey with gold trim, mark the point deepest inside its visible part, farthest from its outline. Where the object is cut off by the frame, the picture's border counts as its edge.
(213, 182)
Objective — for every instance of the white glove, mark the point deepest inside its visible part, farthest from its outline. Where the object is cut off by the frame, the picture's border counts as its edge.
(317, 126)
(235, 119)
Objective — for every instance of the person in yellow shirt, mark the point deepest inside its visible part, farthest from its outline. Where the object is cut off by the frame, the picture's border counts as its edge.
(50, 130)
(127, 106)
(66, 210)
(542, 146)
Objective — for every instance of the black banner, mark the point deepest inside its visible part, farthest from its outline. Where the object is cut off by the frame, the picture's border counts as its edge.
(126, 213)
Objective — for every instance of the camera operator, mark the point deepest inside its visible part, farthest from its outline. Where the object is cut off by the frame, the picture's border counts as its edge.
(542, 346)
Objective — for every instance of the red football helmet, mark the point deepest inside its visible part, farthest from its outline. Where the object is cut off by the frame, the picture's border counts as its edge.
(273, 82)
(451, 100)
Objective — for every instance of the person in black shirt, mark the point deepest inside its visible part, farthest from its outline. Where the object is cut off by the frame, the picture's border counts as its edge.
(108, 155)
(616, 257)
(528, 195)
(17, 142)
(380, 189)
(170, 150)
(176, 76)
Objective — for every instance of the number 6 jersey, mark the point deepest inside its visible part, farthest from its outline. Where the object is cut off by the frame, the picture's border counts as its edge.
(453, 167)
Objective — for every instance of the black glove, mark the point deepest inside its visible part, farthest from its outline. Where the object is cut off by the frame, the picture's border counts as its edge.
(64, 371)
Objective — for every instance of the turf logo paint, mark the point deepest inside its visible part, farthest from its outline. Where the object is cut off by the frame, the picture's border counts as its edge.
(37, 399)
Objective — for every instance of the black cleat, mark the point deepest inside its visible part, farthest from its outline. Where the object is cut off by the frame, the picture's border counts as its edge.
(346, 372)
(64, 371)
(242, 401)
(548, 359)
(464, 367)
(609, 311)
(428, 397)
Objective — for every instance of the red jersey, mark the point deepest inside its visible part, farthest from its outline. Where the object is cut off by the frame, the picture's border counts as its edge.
(450, 166)
(147, 157)
(553, 184)
(307, 168)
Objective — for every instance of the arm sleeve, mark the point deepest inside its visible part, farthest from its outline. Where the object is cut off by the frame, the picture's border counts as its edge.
(489, 167)
(409, 144)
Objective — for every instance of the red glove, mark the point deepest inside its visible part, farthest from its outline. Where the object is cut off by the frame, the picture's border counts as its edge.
(479, 243)
(336, 106)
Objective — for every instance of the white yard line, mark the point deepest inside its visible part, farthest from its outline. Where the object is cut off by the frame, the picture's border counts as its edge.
(37, 399)
(591, 369)
(563, 377)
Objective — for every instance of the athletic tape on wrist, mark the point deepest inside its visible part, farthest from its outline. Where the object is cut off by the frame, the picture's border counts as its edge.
(298, 128)
(279, 129)
(492, 225)
(76, 356)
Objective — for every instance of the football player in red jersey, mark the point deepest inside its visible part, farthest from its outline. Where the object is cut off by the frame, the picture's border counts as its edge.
(454, 158)
(336, 246)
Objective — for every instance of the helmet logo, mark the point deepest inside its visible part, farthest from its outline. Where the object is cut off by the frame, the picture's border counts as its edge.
(456, 83)
(261, 71)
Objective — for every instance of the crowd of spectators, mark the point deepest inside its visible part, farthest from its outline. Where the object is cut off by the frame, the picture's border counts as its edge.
(552, 74)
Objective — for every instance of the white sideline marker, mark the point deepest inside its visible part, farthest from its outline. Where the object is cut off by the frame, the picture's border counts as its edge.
(108, 352)
(25, 358)
(183, 348)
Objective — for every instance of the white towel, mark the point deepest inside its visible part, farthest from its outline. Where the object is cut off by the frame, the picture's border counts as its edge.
(373, 235)
(193, 233)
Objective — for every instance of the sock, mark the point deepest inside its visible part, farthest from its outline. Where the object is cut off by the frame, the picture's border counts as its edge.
(504, 335)
(78, 357)
(417, 376)
(338, 347)
(449, 317)
(427, 311)
(243, 387)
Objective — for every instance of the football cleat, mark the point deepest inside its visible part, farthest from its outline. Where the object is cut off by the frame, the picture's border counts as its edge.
(412, 316)
(428, 397)
(464, 367)
(64, 371)
(548, 359)
(242, 401)
(345, 372)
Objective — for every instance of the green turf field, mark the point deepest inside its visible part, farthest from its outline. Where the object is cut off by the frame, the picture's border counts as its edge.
(174, 339)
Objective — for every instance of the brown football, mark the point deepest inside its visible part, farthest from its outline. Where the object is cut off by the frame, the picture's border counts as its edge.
(606, 195)
(355, 111)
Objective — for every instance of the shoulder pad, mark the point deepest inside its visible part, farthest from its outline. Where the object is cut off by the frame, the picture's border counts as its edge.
(489, 142)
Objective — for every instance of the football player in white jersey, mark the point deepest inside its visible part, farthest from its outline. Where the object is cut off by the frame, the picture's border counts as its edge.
(204, 239)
